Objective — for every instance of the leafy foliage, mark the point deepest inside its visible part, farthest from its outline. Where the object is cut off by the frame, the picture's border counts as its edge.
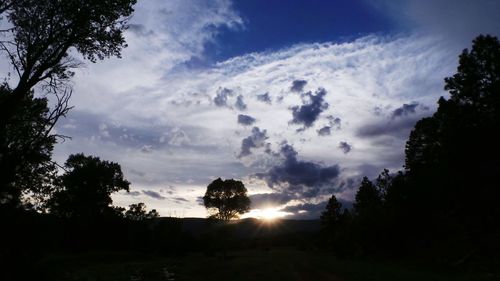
(137, 212)
(26, 148)
(226, 199)
(85, 188)
(38, 42)
(43, 32)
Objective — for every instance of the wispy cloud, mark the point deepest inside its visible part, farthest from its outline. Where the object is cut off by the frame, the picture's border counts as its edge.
(153, 100)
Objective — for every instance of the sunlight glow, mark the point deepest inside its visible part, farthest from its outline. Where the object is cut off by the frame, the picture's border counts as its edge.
(266, 214)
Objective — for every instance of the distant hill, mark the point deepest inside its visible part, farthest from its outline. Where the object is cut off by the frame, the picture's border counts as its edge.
(248, 228)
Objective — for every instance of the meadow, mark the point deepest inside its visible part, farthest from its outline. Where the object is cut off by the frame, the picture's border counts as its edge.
(284, 263)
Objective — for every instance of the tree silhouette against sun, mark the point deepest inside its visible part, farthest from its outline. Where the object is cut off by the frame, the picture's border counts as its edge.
(226, 199)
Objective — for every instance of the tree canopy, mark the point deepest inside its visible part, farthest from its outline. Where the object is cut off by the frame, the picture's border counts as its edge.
(84, 190)
(40, 40)
(455, 152)
(137, 212)
(43, 32)
(226, 199)
(26, 146)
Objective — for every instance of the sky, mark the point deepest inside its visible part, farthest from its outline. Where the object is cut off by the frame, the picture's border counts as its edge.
(297, 99)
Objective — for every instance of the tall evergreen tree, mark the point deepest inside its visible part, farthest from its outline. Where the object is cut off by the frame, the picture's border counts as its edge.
(367, 198)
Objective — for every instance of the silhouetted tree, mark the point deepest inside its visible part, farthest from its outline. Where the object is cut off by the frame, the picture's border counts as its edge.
(226, 199)
(383, 183)
(455, 153)
(43, 32)
(37, 41)
(137, 212)
(332, 213)
(367, 198)
(26, 145)
(84, 190)
(448, 191)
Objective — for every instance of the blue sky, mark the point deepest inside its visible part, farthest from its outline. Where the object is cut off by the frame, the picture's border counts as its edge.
(297, 99)
(271, 25)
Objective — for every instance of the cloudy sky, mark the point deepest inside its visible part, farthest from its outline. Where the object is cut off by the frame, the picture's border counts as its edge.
(298, 99)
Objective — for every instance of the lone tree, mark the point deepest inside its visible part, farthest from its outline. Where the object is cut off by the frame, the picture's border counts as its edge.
(85, 189)
(226, 200)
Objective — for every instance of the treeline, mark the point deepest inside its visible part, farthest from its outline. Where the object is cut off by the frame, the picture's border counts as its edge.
(445, 201)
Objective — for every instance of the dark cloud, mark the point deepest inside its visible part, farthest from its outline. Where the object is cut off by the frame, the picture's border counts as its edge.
(133, 193)
(220, 98)
(298, 85)
(301, 178)
(325, 131)
(346, 148)
(153, 194)
(312, 210)
(263, 200)
(245, 120)
(180, 200)
(399, 128)
(309, 112)
(256, 140)
(240, 103)
(335, 122)
(405, 110)
(305, 210)
(139, 30)
(264, 98)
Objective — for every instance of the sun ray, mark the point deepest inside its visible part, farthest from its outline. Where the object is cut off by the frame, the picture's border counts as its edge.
(267, 214)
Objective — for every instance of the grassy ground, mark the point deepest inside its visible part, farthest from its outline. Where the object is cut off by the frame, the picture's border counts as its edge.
(275, 264)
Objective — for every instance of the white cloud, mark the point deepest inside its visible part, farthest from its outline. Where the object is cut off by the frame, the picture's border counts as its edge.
(152, 101)
(163, 36)
(196, 141)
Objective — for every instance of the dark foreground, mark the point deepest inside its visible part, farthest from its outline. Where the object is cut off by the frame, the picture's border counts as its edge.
(273, 264)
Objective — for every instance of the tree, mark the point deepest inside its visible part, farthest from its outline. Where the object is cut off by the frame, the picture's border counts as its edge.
(227, 199)
(42, 34)
(367, 198)
(455, 152)
(84, 190)
(333, 212)
(26, 148)
(383, 183)
(38, 42)
(137, 212)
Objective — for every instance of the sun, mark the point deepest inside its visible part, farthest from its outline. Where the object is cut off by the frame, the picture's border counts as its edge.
(267, 214)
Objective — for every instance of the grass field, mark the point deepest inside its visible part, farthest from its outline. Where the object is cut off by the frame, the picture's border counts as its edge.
(275, 264)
